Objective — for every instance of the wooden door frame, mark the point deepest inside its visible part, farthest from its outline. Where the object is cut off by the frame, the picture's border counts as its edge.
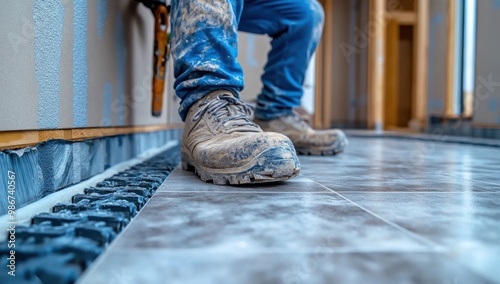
(419, 114)
(377, 70)
(324, 65)
(376, 65)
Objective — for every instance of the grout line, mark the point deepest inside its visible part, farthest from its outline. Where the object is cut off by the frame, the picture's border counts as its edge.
(422, 239)
(263, 250)
(45, 204)
(426, 191)
(413, 192)
(476, 180)
(243, 192)
(321, 192)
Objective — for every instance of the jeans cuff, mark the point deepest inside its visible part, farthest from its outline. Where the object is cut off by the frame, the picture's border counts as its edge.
(266, 114)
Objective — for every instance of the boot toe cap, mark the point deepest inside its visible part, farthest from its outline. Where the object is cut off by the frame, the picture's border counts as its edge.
(238, 150)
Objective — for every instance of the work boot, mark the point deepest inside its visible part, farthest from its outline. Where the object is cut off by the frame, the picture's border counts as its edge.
(222, 144)
(307, 141)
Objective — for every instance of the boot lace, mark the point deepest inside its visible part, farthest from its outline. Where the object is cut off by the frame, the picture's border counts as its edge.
(226, 108)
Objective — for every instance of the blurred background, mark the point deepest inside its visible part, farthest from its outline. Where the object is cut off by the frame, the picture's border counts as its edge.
(415, 65)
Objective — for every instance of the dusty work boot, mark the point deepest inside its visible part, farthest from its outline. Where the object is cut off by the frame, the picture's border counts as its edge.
(307, 141)
(222, 144)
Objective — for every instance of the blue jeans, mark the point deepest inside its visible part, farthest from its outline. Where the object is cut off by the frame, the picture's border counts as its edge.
(205, 46)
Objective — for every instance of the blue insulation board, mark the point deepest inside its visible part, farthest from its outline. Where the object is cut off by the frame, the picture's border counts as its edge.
(56, 164)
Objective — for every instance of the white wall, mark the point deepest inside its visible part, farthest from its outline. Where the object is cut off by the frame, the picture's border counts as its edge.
(68, 64)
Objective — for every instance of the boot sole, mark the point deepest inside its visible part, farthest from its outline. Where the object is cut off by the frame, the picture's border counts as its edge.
(265, 168)
(318, 151)
(324, 151)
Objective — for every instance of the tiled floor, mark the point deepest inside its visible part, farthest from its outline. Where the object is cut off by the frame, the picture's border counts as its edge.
(386, 211)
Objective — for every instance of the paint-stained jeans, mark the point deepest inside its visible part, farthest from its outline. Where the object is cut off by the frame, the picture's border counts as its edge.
(204, 49)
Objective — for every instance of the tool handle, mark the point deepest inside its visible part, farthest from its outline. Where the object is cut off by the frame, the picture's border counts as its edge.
(160, 56)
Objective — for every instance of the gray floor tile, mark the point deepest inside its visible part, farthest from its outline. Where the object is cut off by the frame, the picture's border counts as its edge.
(183, 181)
(466, 224)
(490, 175)
(157, 266)
(388, 165)
(261, 222)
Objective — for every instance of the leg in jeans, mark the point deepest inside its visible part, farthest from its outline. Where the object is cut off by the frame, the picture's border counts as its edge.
(204, 48)
(295, 27)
